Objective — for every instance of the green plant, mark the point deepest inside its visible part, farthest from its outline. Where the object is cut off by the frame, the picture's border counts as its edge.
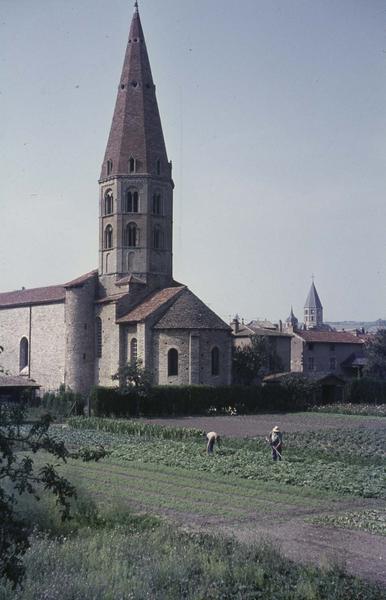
(18, 477)
(251, 362)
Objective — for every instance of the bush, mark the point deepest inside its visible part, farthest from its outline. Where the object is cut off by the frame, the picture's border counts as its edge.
(367, 390)
(63, 402)
(199, 400)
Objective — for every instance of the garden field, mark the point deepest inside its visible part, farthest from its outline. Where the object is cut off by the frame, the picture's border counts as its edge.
(323, 505)
(325, 500)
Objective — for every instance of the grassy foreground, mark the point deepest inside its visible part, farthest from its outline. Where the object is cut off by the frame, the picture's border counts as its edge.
(116, 555)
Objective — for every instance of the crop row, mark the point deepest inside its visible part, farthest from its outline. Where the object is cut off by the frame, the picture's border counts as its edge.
(373, 521)
(136, 428)
(337, 477)
(372, 410)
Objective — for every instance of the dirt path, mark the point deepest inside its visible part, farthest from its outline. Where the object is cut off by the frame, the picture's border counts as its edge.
(258, 425)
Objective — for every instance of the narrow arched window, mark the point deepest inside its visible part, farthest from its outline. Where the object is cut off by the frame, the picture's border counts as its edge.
(109, 167)
(109, 202)
(131, 237)
(23, 353)
(131, 204)
(133, 351)
(172, 362)
(108, 237)
(157, 238)
(98, 337)
(157, 204)
(107, 269)
(132, 165)
(130, 261)
(215, 361)
(158, 167)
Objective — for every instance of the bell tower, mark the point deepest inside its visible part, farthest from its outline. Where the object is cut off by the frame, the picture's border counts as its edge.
(136, 186)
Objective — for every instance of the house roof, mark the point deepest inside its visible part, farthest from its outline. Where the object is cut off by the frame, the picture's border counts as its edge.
(189, 312)
(17, 381)
(151, 304)
(329, 337)
(129, 279)
(247, 331)
(318, 376)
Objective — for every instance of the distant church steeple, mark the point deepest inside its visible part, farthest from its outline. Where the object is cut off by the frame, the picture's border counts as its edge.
(136, 187)
(292, 322)
(313, 309)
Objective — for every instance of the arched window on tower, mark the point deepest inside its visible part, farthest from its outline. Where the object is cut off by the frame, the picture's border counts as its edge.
(131, 204)
(109, 202)
(132, 165)
(157, 204)
(23, 354)
(158, 238)
(215, 361)
(131, 237)
(109, 167)
(98, 337)
(172, 362)
(108, 237)
(133, 351)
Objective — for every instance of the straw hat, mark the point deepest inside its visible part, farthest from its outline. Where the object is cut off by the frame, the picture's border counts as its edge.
(276, 428)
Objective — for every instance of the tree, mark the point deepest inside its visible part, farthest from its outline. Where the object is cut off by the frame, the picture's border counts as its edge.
(376, 355)
(253, 362)
(19, 441)
(133, 377)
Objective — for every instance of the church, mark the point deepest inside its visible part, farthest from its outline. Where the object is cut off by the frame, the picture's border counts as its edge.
(130, 308)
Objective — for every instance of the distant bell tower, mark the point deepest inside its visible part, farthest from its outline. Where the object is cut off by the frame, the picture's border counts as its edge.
(313, 310)
(136, 186)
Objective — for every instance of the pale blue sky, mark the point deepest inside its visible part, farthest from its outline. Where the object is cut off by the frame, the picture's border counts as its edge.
(274, 114)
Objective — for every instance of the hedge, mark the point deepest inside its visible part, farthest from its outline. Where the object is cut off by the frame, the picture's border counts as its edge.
(366, 390)
(196, 400)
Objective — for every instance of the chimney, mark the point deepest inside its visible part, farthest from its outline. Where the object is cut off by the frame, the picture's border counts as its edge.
(235, 324)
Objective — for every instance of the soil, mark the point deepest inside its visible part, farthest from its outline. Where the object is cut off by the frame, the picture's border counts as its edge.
(360, 553)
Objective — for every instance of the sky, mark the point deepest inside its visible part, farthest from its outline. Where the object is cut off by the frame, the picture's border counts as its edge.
(274, 115)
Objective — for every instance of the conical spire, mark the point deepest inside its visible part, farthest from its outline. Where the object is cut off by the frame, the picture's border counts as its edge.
(313, 300)
(292, 320)
(136, 131)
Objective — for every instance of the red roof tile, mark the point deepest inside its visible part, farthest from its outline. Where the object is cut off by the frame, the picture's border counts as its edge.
(330, 337)
(152, 303)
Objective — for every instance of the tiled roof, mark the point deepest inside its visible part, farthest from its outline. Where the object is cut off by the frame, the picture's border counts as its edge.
(330, 337)
(151, 304)
(189, 312)
(43, 295)
(129, 279)
(136, 130)
(79, 281)
(313, 300)
(17, 381)
(246, 331)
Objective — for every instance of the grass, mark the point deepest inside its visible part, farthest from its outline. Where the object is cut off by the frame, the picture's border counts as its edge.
(117, 555)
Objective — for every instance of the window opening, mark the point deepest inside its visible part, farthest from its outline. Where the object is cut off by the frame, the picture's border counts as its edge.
(215, 361)
(23, 353)
(172, 362)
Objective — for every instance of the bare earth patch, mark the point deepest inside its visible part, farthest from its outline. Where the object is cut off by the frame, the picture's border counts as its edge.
(258, 425)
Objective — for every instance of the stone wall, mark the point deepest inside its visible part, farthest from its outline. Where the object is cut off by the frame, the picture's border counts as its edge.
(44, 328)
(194, 349)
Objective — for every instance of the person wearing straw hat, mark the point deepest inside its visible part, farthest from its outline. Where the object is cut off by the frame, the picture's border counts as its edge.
(276, 441)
